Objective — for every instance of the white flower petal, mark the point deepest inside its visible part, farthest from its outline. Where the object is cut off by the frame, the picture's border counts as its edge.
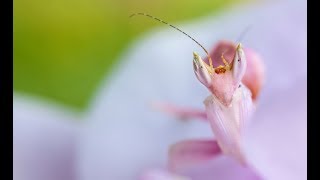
(44, 140)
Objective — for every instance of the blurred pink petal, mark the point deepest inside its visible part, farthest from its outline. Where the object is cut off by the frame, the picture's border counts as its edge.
(161, 174)
(44, 141)
(221, 168)
(225, 47)
(192, 152)
(255, 74)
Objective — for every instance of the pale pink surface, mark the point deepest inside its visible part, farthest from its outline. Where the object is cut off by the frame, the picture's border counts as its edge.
(276, 141)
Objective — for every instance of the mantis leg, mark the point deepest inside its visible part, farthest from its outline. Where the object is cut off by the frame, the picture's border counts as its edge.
(180, 112)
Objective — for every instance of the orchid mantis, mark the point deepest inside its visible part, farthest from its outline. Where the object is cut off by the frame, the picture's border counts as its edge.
(230, 73)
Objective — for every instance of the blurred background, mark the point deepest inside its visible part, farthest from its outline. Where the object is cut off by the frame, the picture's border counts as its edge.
(64, 48)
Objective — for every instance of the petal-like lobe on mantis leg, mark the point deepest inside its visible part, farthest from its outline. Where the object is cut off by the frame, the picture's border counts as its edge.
(227, 122)
(180, 112)
(187, 153)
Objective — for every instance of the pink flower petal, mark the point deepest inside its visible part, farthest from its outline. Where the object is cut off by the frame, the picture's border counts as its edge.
(160, 174)
(220, 168)
(190, 152)
(255, 73)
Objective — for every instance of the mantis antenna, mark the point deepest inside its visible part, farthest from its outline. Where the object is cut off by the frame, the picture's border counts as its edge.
(244, 32)
(150, 16)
